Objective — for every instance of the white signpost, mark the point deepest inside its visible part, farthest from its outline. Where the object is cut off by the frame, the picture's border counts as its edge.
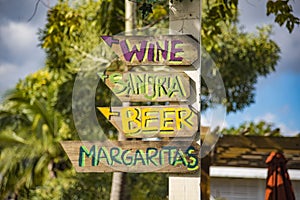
(185, 17)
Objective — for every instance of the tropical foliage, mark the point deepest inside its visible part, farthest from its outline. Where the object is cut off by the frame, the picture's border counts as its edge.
(260, 128)
(36, 155)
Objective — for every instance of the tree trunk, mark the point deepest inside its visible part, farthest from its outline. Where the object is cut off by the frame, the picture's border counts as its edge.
(118, 180)
(116, 189)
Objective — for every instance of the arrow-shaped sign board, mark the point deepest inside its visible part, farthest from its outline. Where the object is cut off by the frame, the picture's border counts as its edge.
(148, 86)
(133, 156)
(153, 121)
(158, 50)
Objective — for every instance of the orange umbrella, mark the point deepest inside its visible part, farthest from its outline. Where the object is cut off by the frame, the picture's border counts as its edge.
(279, 186)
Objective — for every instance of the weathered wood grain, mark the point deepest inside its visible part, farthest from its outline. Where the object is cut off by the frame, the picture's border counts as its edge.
(148, 86)
(133, 156)
(154, 50)
(153, 121)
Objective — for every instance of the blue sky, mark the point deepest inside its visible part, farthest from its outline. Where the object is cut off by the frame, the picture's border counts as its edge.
(277, 96)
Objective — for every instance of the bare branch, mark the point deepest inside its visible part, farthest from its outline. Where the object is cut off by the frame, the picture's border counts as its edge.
(36, 7)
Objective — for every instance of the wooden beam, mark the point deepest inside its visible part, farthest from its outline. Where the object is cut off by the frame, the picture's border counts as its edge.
(251, 151)
(205, 177)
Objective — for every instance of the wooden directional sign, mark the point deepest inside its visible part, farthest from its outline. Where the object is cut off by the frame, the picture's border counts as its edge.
(146, 121)
(153, 121)
(133, 156)
(158, 50)
(148, 86)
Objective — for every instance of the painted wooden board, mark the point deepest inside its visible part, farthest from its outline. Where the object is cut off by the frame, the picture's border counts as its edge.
(153, 121)
(133, 156)
(158, 50)
(148, 86)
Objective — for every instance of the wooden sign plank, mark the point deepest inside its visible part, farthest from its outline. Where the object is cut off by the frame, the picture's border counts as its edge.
(153, 121)
(148, 86)
(154, 50)
(133, 156)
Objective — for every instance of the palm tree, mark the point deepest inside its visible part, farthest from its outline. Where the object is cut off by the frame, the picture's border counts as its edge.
(31, 130)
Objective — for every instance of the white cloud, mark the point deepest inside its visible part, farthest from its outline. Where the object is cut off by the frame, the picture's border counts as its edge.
(214, 117)
(272, 118)
(16, 10)
(290, 48)
(19, 39)
(5, 69)
(253, 14)
(8, 76)
(19, 53)
(10, 73)
(268, 117)
(287, 131)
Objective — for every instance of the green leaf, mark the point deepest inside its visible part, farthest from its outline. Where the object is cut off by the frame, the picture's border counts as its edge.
(10, 138)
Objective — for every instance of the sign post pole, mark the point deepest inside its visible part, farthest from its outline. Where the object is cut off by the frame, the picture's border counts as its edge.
(118, 177)
(185, 17)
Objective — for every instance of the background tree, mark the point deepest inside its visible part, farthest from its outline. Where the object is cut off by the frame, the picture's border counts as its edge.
(67, 39)
(37, 157)
(260, 128)
(239, 56)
